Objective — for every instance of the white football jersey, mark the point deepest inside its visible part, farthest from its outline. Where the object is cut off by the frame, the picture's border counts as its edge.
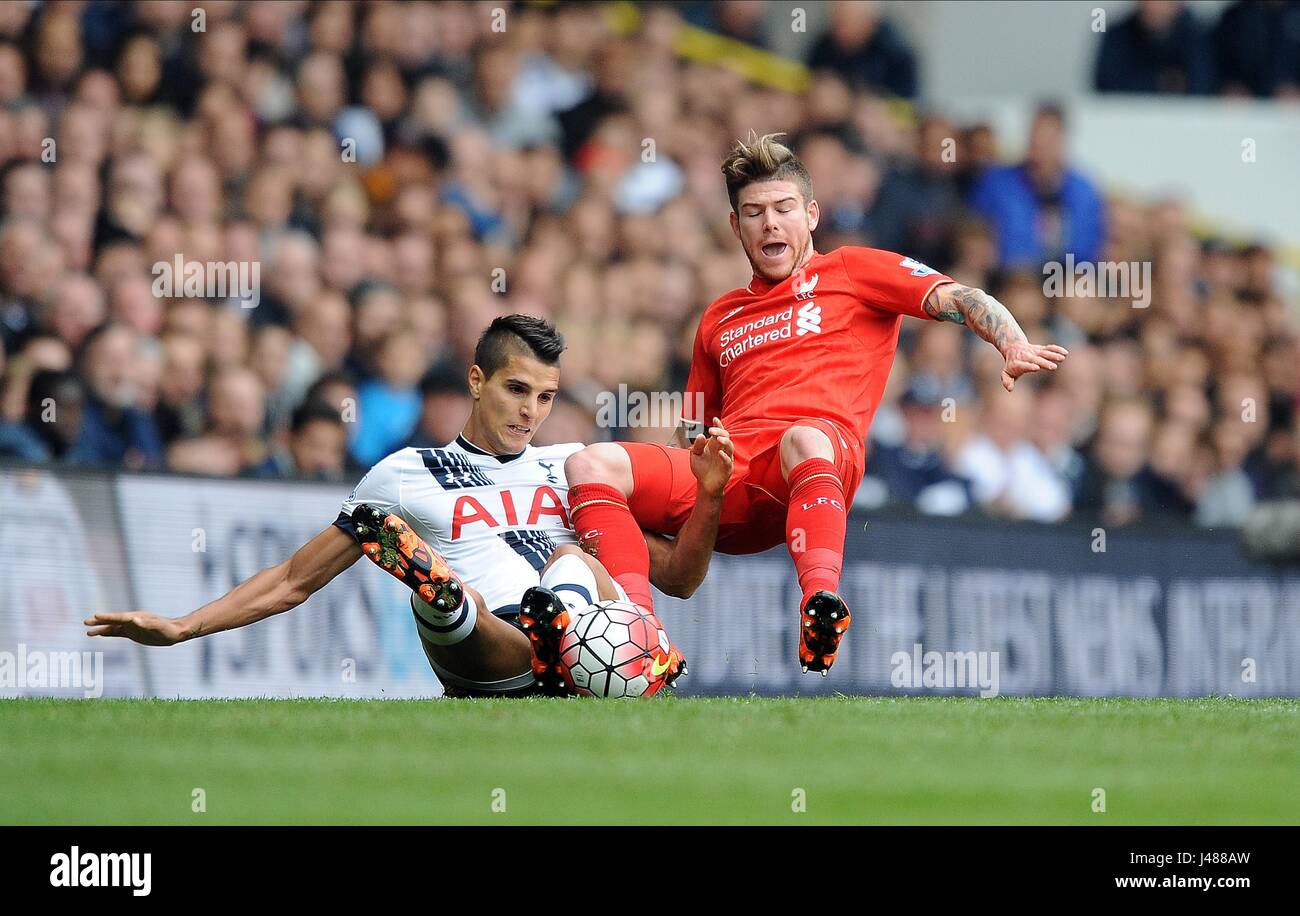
(495, 518)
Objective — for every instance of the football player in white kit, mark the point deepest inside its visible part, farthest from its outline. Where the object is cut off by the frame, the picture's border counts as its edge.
(470, 527)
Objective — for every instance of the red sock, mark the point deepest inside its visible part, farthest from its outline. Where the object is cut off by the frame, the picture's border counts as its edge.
(815, 520)
(607, 529)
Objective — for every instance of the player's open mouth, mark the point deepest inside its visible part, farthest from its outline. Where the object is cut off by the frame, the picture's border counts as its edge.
(517, 430)
(775, 249)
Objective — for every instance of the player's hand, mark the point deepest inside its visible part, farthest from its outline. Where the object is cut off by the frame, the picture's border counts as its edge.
(712, 457)
(1023, 357)
(146, 629)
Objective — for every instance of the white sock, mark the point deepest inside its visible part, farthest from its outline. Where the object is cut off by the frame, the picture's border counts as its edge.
(575, 583)
(440, 627)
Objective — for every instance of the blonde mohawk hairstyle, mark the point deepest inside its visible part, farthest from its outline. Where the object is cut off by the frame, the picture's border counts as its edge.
(763, 158)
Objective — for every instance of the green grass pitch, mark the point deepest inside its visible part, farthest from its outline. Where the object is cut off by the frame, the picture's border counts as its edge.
(670, 760)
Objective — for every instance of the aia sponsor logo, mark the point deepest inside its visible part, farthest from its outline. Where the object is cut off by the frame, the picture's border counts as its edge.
(469, 510)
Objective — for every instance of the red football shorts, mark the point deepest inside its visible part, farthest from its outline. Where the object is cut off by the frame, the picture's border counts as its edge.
(754, 501)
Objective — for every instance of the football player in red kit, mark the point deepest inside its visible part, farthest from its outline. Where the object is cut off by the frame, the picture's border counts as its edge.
(794, 365)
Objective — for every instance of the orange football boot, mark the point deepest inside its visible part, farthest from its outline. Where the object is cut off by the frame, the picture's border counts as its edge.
(390, 544)
(544, 617)
(675, 665)
(823, 620)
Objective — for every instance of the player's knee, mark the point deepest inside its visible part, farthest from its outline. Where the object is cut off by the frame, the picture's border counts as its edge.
(567, 550)
(471, 594)
(803, 442)
(603, 462)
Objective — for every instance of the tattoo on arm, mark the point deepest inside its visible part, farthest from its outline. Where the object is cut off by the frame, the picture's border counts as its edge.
(979, 311)
(941, 311)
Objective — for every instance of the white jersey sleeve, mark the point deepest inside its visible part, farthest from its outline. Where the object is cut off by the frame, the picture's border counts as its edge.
(381, 487)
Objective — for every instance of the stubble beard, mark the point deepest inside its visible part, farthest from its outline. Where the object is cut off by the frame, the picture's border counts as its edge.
(801, 258)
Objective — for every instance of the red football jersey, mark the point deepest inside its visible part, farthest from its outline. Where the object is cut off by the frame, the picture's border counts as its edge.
(817, 345)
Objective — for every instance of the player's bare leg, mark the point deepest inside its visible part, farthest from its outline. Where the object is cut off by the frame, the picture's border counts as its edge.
(571, 581)
(459, 632)
(816, 518)
(494, 651)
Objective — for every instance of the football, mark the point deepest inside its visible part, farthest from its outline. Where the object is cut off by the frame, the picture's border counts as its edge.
(615, 649)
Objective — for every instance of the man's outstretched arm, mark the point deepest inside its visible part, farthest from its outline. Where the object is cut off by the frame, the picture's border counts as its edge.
(678, 565)
(272, 591)
(991, 320)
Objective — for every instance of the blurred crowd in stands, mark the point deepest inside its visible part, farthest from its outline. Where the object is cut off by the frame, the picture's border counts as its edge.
(1252, 49)
(405, 172)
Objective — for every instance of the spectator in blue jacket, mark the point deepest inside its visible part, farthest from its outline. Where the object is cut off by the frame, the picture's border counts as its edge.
(1041, 209)
(389, 403)
(51, 425)
(114, 430)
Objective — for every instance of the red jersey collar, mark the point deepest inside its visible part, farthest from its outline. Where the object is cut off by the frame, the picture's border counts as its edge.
(760, 286)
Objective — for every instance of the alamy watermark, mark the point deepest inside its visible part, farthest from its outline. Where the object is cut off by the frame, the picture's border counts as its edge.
(919, 669)
(628, 409)
(36, 670)
(103, 869)
(1105, 279)
(218, 280)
